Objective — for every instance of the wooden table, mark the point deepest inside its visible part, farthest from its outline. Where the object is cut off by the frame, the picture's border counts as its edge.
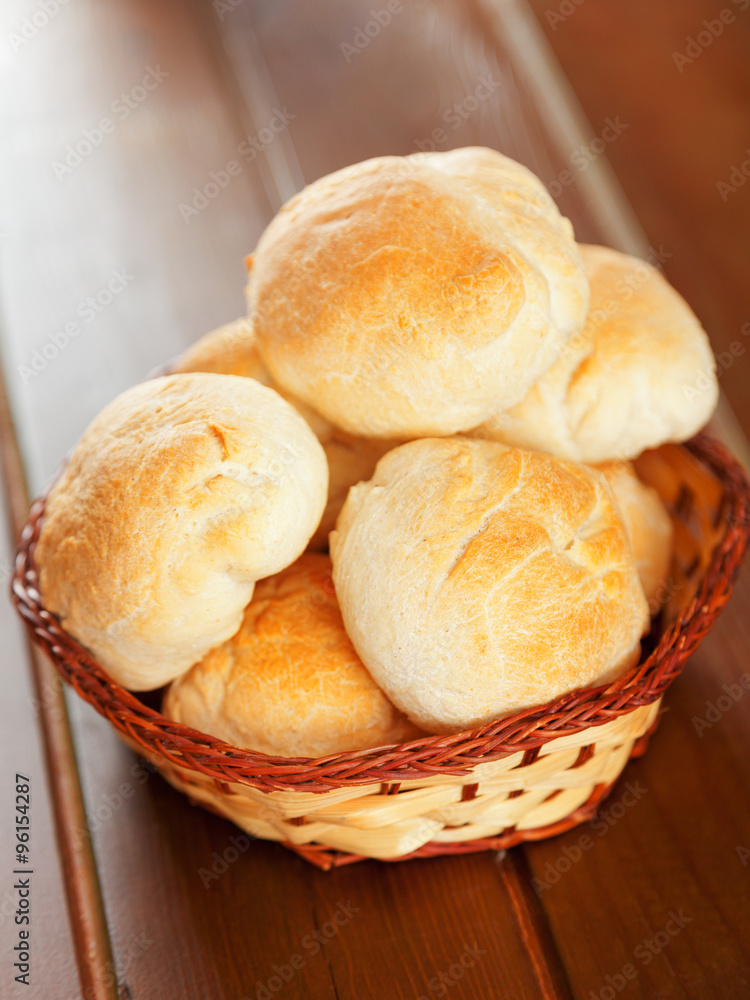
(122, 234)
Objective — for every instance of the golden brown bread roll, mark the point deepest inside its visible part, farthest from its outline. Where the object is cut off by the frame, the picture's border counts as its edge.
(628, 381)
(476, 580)
(351, 460)
(232, 350)
(649, 527)
(289, 682)
(407, 296)
(181, 493)
(228, 350)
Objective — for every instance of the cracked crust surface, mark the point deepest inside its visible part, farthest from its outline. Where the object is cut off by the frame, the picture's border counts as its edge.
(408, 296)
(476, 580)
(232, 350)
(181, 493)
(640, 373)
(289, 682)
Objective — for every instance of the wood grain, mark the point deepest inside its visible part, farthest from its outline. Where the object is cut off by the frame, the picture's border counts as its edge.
(450, 922)
(592, 948)
(670, 847)
(37, 744)
(688, 125)
(187, 917)
(259, 913)
(117, 211)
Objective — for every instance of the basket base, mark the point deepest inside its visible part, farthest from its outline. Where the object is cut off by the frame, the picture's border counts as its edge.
(326, 859)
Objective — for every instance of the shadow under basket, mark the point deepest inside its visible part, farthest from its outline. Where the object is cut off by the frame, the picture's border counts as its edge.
(525, 777)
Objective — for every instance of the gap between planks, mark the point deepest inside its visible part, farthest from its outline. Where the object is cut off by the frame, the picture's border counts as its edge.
(512, 25)
(257, 91)
(93, 948)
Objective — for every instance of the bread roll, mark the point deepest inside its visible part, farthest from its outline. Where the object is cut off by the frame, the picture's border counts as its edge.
(228, 350)
(181, 493)
(408, 296)
(641, 373)
(649, 527)
(477, 580)
(289, 682)
(351, 460)
(232, 350)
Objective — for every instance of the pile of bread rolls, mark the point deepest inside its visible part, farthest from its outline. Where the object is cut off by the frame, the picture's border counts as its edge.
(438, 386)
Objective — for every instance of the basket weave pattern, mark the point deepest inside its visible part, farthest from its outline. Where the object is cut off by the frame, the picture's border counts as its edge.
(527, 776)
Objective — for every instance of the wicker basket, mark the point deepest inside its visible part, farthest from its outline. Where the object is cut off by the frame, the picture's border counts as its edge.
(529, 776)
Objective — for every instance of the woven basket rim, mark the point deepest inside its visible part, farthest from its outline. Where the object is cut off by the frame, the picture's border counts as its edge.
(526, 731)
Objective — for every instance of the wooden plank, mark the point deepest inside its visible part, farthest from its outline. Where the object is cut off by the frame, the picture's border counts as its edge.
(265, 906)
(672, 839)
(675, 850)
(459, 926)
(687, 127)
(406, 90)
(196, 908)
(68, 235)
(23, 708)
(389, 97)
(641, 849)
(120, 209)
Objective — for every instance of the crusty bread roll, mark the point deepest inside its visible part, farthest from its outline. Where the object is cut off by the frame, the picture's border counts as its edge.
(649, 527)
(641, 373)
(181, 493)
(289, 682)
(232, 350)
(476, 580)
(407, 296)
(351, 460)
(229, 350)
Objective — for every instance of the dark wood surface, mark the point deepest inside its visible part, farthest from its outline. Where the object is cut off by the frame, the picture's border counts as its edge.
(22, 707)
(688, 126)
(664, 861)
